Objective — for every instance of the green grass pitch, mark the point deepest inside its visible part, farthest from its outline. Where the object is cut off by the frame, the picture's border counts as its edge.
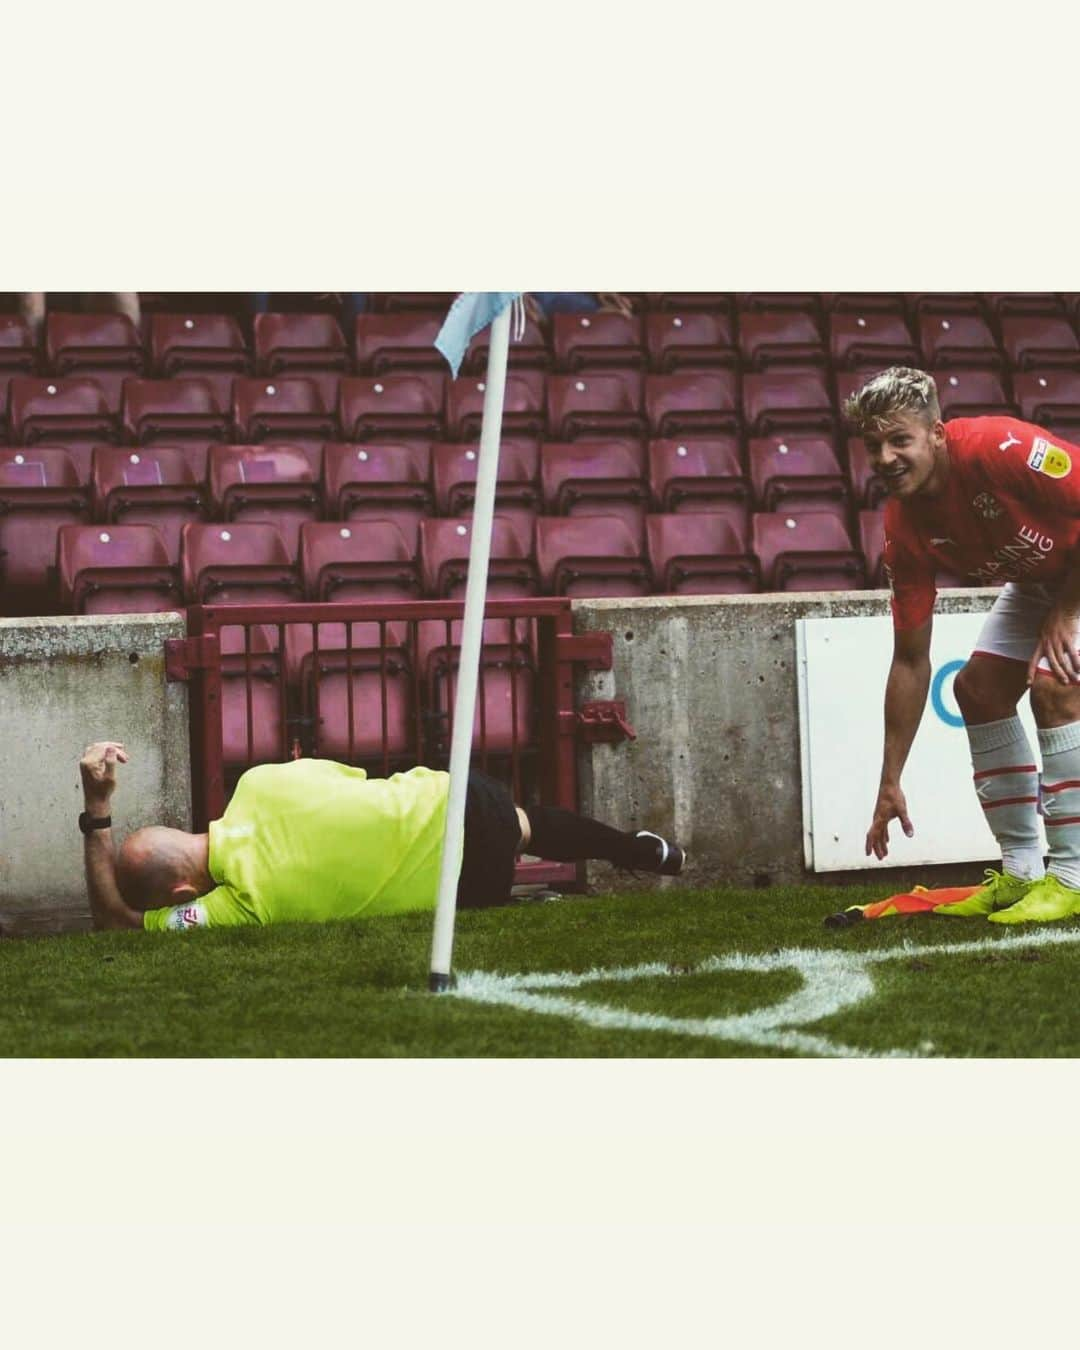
(928, 986)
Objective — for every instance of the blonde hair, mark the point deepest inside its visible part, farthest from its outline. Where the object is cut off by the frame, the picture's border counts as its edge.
(893, 392)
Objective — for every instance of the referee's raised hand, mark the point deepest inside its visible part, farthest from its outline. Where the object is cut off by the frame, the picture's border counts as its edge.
(98, 770)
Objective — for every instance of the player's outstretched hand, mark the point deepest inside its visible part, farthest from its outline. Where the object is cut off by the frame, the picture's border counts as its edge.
(98, 770)
(891, 805)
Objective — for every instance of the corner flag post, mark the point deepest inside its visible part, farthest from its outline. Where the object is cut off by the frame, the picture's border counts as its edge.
(469, 662)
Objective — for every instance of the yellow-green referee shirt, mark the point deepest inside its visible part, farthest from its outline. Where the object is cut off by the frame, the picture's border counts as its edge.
(313, 840)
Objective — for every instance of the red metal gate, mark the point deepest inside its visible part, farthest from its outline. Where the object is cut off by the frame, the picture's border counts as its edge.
(372, 683)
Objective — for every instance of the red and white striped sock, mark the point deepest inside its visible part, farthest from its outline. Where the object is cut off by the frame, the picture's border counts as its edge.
(1007, 784)
(1060, 788)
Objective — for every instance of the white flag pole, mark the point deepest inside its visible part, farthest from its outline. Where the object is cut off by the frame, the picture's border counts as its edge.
(442, 943)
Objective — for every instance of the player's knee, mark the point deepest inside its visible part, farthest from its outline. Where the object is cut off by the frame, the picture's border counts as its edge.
(980, 695)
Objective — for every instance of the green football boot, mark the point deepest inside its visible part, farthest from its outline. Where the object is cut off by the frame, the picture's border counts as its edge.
(1044, 902)
(998, 891)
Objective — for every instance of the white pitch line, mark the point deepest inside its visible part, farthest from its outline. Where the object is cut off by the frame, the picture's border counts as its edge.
(833, 980)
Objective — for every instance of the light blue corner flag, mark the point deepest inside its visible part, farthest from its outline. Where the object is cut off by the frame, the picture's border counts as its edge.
(470, 312)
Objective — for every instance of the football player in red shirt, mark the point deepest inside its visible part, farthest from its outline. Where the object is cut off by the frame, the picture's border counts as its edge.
(997, 500)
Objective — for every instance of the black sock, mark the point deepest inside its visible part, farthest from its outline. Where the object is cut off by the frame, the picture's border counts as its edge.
(564, 836)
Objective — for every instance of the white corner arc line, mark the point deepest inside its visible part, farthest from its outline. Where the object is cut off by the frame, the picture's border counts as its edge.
(833, 980)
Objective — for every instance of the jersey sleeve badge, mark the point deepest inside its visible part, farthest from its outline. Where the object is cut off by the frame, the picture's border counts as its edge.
(182, 917)
(1049, 459)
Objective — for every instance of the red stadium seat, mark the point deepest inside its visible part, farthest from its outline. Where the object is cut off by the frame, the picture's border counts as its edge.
(696, 473)
(1046, 341)
(39, 492)
(367, 562)
(594, 404)
(872, 543)
(505, 699)
(921, 303)
(755, 301)
(210, 346)
(18, 355)
(963, 340)
(781, 337)
(444, 559)
(806, 551)
(598, 341)
(530, 353)
(506, 694)
(453, 473)
(391, 407)
(361, 560)
(713, 302)
(403, 342)
(590, 555)
(523, 405)
(786, 401)
(149, 485)
(115, 569)
(254, 729)
(271, 483)
(692, 403)
(242, 564)
(849, 382)
(59, 410)
(863, 302)
(690, 340)
(1049, 398)
(311, 345)
(699, 554)
(163, 412)
(105, 347)
(594, 478)
(397, 302)
(867, 488)
(1004, 304)
(380, 481)
(871, 341)
(971, 393)
(794, 473)
(360, 701)
(283, 409)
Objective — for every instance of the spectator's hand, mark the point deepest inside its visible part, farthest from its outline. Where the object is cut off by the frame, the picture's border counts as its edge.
(98, 770)
(612, 302)
(891, 805)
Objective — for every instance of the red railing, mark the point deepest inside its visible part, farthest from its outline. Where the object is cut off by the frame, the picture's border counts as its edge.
(372, 683)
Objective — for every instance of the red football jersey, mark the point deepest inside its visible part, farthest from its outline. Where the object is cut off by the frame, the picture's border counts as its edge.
(1010, 511)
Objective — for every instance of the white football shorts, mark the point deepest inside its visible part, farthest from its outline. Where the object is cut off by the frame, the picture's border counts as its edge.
(1012, 627)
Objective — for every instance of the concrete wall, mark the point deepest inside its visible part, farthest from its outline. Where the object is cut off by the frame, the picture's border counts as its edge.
(65, 682)
(710, 685)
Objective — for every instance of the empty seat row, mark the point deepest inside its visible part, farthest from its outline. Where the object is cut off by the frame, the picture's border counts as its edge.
(40, 487)
(425, 405)
(109, 346)
(126, 567)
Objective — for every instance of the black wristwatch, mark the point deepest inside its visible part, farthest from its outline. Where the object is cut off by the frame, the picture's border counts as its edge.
(89, 823)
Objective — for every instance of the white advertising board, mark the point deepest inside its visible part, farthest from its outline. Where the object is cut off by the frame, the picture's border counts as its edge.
(843, 666)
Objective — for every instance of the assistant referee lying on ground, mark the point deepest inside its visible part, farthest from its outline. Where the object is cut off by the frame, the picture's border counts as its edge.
(316, 840)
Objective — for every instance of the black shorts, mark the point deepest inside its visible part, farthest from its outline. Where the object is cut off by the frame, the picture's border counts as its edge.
(492, 836)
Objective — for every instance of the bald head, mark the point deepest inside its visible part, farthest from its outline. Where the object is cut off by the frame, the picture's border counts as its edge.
(154, 861)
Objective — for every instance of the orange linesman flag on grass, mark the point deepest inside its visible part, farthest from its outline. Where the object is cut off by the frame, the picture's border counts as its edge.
(918, 900)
